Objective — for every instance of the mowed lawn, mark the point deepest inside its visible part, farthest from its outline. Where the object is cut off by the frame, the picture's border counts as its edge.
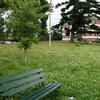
(77, 68)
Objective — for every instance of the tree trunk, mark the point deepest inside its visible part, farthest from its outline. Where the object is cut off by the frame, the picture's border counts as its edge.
(72, 37)
(25, 56)
(79, 37)
(49, 39)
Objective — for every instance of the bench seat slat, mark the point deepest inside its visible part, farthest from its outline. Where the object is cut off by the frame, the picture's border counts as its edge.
(22, 88)
(32, 92)
(17, 76)
(45, 91)
(13, 84)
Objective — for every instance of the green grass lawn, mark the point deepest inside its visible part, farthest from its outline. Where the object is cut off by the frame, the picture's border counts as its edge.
(76, 67)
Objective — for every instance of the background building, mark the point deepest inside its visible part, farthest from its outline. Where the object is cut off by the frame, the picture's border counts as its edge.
(91, 35)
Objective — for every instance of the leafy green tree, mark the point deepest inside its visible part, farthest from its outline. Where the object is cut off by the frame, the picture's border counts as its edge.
(77, 14)
(3, 7)
(56, 34)
(25, 23)
(27, 19)
(42, 6)
(1, 28)
(44, 9)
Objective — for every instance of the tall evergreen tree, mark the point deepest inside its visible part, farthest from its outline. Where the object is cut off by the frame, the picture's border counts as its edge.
(77, 14)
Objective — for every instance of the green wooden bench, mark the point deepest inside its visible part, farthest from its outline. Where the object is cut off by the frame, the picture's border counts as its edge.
(9, 86)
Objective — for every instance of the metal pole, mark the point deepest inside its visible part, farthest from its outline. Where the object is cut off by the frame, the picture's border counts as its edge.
(50, 25)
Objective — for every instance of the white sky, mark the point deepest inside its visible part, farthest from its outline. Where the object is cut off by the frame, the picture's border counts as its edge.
(55, 15)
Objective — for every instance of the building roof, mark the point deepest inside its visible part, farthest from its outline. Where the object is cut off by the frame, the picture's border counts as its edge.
(93, 17)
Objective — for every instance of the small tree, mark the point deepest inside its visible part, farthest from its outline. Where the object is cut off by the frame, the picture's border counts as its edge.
(27, 19)
(24, 23)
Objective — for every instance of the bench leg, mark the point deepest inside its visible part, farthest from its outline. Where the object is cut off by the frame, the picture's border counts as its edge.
(5, 98)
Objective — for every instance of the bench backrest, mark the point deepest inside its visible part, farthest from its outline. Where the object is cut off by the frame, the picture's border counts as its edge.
(14, 84)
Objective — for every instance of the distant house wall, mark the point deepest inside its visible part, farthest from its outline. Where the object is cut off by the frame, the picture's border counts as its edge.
(65, 34)
(91, 34)
(91, 37)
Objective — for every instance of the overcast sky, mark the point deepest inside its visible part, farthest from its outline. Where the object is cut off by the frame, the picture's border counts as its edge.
(55, 16)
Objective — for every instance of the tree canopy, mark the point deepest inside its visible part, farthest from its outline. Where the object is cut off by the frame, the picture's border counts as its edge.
(77, 14)
(27, 19)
